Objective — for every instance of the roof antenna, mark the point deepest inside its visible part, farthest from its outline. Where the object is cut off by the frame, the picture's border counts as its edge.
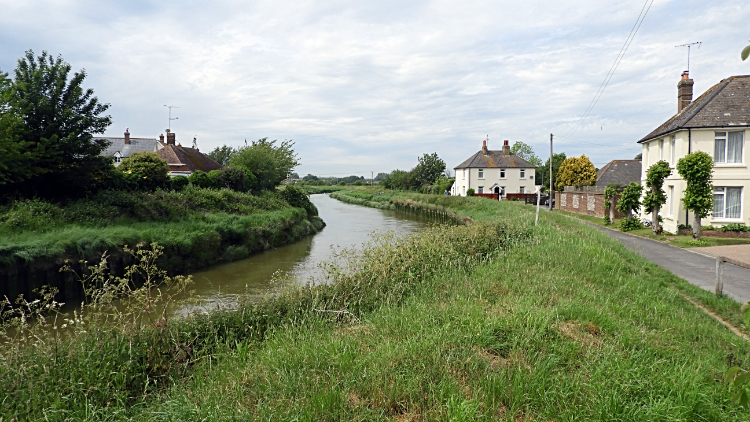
(688, 45)
(195, 142)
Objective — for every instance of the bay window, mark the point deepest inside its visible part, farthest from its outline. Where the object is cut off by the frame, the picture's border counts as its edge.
(728, 147)
(727, 202)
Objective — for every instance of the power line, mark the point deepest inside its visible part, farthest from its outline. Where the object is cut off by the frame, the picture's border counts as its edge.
(613, 68)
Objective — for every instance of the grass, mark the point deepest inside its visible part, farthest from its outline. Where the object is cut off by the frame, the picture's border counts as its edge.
(498, 320)
(679, 241)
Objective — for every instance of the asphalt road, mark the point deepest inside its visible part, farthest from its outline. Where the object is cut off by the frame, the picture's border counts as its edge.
(697, 269)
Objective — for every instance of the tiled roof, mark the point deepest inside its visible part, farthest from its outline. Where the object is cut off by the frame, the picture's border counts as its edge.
(126, 150)
(726, 104)
(494, 159)
(187, 159)
(619, 171)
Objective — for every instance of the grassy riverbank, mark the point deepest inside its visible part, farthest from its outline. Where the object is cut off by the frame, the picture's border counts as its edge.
(497, 320)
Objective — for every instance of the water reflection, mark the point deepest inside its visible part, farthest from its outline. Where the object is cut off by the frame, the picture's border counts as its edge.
(347, 226)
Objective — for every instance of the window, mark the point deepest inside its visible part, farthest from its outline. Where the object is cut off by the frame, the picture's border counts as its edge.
(728, 147)
(531, 177)
(522, 189)
(481, 173)
(481, 189)
(464, 173)
(502, 173)
(727, 202)
(117, 159)
(502, 190)
(671, 149)
(464, 189)
(523, 173)
(661, 149)
(671, 200)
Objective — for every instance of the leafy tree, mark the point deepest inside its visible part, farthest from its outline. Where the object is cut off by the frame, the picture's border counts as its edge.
(638, 156)
(380, 176)
(609, 195)
(201, 179)
(745, 53)
(310, 178)
(269, 162)
(697, 171)
(47, 121)
(525, 151)
(575, 172)
(542, 173)
(151, 171)
(294, 176)
(630, 200)
(655, 197)
(222, 154)
(429, 168)
(398, 179)
(231, 178)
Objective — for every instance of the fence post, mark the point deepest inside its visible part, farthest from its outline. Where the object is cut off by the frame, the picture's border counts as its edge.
(719, 275)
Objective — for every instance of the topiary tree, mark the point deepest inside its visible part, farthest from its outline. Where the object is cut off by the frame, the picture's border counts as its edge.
(470, 192)
(609, 195)
(655, 197)
(697, 170)
(575, 172)
(630, 200)
(152, 171)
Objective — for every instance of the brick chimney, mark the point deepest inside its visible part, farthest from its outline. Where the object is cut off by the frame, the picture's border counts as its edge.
(684, 92)
(127, 137)
(484, 148)
(506, 148)
(170, 137)
(161, 138)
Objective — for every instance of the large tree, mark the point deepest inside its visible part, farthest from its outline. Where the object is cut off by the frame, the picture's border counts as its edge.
(697, 169)
(269, 162)
(222, 154)
(48, 123)
(429, 168)
(525, 151)
(542, 173)
(575, 171)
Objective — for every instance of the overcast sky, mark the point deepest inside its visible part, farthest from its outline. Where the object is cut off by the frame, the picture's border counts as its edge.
(365, 86)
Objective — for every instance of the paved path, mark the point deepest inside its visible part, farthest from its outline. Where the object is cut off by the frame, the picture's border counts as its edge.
(697, 269)
(740, 254)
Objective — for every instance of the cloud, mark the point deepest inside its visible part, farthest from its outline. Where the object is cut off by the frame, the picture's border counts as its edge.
(369, 86)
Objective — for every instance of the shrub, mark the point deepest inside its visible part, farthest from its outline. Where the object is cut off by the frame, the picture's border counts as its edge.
(629, 224)
(152, 172)
(296, 197)
(735, 227)
(200, 179)
(179, 182)
(470, 192)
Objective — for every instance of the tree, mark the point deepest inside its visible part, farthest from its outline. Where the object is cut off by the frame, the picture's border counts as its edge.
(47, 121)
(270, 163)
(630, 200)
(609, 195)
(310, 178)
(222, 154)
(745, 53)
(575, 172)
(542, 173)
(380, 176)
(152, 171)
(525, 151)
(697, 171)
(655, 197)
(638, 156)
(429, 168)
(294, 176)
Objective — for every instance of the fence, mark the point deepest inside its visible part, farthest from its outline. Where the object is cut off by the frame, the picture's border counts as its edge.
(495, 196)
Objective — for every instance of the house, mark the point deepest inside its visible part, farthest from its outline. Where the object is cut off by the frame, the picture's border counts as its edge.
(494, 172)
(184, 161)
(623, 172)
(718, 124)
(124, 147)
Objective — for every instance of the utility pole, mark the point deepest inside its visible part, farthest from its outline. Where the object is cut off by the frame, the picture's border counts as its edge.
(551, 164)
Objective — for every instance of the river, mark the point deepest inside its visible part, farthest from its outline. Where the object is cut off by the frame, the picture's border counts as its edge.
(346, 226)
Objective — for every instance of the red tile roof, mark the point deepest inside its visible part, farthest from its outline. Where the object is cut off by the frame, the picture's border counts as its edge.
(187, 159)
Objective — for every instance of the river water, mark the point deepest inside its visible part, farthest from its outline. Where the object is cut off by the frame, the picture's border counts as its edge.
(346, 226)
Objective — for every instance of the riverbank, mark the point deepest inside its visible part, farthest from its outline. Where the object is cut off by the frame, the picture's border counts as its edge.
(196, 227)
(494, 320)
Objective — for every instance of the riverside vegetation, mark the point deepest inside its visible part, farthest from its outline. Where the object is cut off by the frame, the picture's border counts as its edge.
(495, 320)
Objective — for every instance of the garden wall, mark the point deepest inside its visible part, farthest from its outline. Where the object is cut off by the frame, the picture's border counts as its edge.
(585, 203)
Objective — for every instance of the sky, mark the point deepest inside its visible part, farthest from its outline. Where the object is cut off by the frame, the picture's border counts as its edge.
(365, 87)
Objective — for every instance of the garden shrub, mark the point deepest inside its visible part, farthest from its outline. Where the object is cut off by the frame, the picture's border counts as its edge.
(629, 224)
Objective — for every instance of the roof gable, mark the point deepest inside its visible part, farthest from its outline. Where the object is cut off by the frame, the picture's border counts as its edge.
(726, 104)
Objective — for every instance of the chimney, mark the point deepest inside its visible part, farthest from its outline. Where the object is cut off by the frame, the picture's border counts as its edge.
(484, 148)
(506, 148)
(161, 138)
(170, 138)
(127, 137)
(684, 92)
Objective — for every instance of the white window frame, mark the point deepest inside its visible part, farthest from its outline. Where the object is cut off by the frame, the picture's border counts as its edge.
(502, 190)
(523, 173)
(724, 136)
(464, 189)
(480, 189)
(722, 191)
(671, 201)
(661, 149)
(502, 173)
(672, 143)
(481, 174)
(464, 174)
(522, 189)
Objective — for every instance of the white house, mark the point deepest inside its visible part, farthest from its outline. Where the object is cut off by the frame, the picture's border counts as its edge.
(124, 147)
(717, 123)
(494, 172)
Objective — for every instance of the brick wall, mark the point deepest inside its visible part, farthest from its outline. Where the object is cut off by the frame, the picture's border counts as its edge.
(584, 203)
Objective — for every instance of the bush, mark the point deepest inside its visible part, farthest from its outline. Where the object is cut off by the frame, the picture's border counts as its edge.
(470, 192)
(684, 227)
(296, 197)
(629, 224)
(201, 179)
(150, 170)
(178, 183)
(735, 227)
